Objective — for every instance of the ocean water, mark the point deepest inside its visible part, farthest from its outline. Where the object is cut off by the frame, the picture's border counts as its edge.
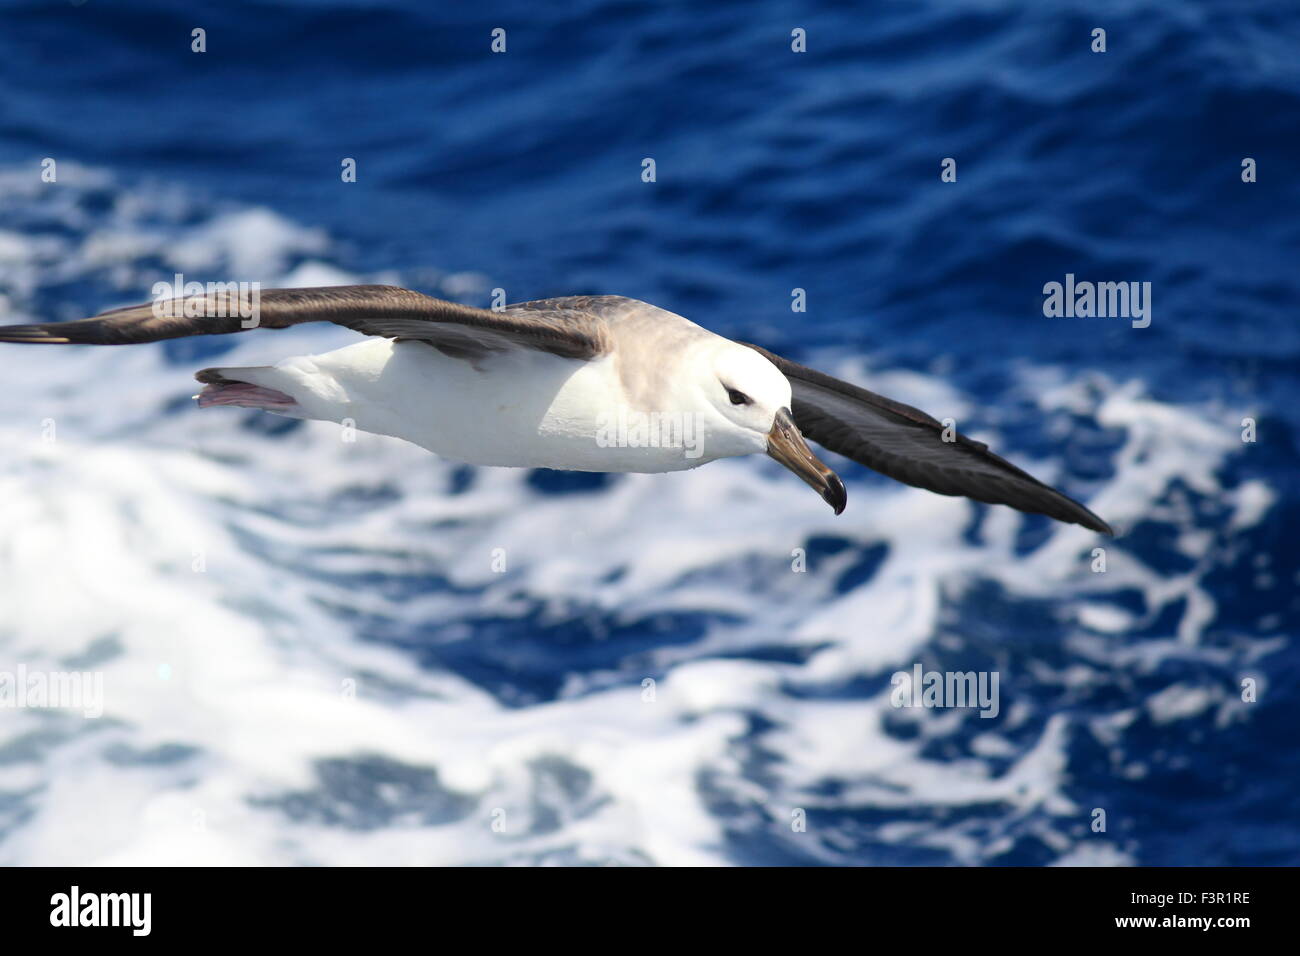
(309, 650)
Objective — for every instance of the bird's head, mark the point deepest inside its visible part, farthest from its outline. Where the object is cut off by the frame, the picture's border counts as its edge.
(753, 398)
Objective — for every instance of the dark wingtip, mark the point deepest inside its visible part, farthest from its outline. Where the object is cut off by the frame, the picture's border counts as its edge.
(31, 334)
(1085, 518)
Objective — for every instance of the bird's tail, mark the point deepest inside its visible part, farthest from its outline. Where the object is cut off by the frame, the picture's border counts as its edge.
(251, 387)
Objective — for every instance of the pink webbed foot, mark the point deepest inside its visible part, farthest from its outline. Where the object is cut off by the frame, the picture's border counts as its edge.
(243, 395)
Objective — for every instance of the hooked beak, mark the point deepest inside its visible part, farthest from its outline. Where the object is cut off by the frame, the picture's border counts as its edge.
(786, 445)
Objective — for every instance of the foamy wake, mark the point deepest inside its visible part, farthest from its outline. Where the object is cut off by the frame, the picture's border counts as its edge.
(311, 653)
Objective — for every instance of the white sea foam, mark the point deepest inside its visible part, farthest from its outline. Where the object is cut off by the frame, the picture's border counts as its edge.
(239, 590)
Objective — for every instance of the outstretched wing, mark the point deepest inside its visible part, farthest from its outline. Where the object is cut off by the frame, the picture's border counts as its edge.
(459, 330)
(908, 445)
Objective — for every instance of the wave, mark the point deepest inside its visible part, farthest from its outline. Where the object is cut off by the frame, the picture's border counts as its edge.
(325, 651)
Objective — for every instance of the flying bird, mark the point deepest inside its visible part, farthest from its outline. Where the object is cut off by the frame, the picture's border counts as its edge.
(580, 383)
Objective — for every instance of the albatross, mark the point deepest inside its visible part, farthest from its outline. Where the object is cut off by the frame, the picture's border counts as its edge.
(538, 385)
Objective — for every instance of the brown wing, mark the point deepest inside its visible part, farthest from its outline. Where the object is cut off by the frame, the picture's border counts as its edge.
(907, 445)
(389, 311)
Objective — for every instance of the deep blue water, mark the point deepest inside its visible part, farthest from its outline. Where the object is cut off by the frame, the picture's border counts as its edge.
(779, 170)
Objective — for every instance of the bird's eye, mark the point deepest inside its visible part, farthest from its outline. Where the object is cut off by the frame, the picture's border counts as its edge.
(738, 398)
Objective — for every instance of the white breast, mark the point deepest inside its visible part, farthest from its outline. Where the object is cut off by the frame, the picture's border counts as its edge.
(521, 408)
